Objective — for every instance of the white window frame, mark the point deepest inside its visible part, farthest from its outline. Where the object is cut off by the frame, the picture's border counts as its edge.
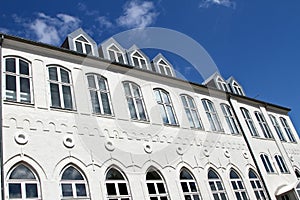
(188, 182)
(267, 163)
(230, 119)
(281, 164)
(116, 52)
(222, 85)
(83, 45)
(18, 76)
(164, 66)
(263, 125)
(191, 111)
(240, 190)
(277, 128)
(156, 182)
(257, 186)
(139, 58)
(216, 183)
(249, 122)
(212, 116)
(237, 89)
(288, 130)
(134, 98)
(298, 190)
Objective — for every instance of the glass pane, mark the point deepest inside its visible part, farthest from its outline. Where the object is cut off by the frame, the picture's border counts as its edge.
(10, 65)
(193, 187)
(123, 189)
(191, 102)
(185, 175)
(238, 196)
(31, 190)
(196, 119)
(212, 186)
(120, 57)
(183, 99)
(131, 107)
(163, 198)
(101, 82)
(240, 184)
(143, 63)
(171, 115)
(158, 96)
(151, 188)
(216, 197)
(95, 101)
(165, 97)
(244, 195)
(64, 76)
(112, 55)
(164, 114)
(105, 103)
(161, 69)
(135, 62)
(161, 188)
(67, 97)
(80, 190)
(258, 184)
(212, 175)
(24, 67)
(67, 190)
(153, 175)
(141, 109)
(53, 73)
(184, 187)
(196, 197)
(14, 190)
(223, 196)
(111, 189)
(253, 184)
(233, 175)
(22, 172)
(91, 81)
(11, 91)
(78, 47)
(252, 174)
(88, 49)
(190, 118)
(168, 71)
(25, 90)
(234, 186)
(127, 89)
(219, 185)
(136, 90)
(72, 174)
(81, 38)
(114, 174)
(153, 198)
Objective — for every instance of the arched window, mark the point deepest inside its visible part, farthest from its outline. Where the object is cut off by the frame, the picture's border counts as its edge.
(83, 46)
(212, 115)
(238, 186)
(135, 101)
(117, 186)
(99, 93)
(222, 85)
(257, 186)
(237, 89)
(73, 184)
(287, 129)
(267, 164)
(23, 184)
(166, 107)
(263, 125)
(230, 119)
(60, 87)
(249, 122)
(164, 68)
(115, 54)
(191, 111)
(216, 186)
(157, 189)
(277, 128)
(189, 186)
(297, 172)
(281, 164)
(138, 60)
(18, 80)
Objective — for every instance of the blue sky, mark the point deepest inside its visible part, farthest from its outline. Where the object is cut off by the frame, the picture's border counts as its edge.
(255, 41)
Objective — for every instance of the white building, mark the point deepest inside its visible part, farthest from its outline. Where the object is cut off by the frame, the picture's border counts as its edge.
(82, 122)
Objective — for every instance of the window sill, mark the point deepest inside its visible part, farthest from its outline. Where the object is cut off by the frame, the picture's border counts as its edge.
(261, 138)
(18, 103)
(103, 115)
(140, 121)
(63, 110)
(172, 125)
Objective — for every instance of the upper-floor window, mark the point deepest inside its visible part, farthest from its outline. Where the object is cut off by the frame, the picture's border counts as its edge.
(287, 129)
(249, 122)
(115, 54)
(222, 85)
(263, 125)
(117, 186)
(257, 186)
(216, 186)
(191, 111)
(212, 115)
(135, 101)
(83, 46)
(166, 107)
(164, 68)
(23, 184)
(277, 128)
(156, 186)
(267, 163)
(230, 119)
(238, 186)
(189, 186)
(237, 89)
(281, 164)
(60, 87)
(138, 60)
(18, 80)
(73, 184)
(99, 93)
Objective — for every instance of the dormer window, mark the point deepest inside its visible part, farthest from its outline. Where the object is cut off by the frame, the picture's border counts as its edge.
(164, 68)
(115, 54)
(138, 60)
(83, 46)
(237, 89)
(222, 85)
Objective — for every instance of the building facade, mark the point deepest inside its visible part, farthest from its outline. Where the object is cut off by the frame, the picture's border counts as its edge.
(88, 122)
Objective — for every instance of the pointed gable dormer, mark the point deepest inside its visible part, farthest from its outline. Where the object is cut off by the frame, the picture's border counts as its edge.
(216, 81)
(137, 58)
(81, 42)
(161, 65)
(112, 50)
(235, 87)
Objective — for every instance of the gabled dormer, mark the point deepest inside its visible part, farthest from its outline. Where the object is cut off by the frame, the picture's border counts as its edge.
(216, 81)
(137, 58)
(161, 65)
(235, 87)
(81, 42)
(112, 50)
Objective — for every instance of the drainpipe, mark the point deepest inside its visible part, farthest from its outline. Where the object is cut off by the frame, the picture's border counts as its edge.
(249, 148)
(1, 127)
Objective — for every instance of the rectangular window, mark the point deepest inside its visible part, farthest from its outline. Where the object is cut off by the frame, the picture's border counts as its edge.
(166, 107)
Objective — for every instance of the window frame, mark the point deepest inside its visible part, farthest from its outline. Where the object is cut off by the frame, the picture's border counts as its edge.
(267, 163)
(222, 85)
(281, 164)
(288, 130)
(139, 60)
(237, 89)
(263, 125)
(164, 66)
(216, 183)
(188, 183)
(195, 118)
(83, 45)
(212, 115)
(115, 52)
(240, 189)
(250, 123)
(230, 119)
(277, 128)
(257, 186)
(18, 76)
(160, 181)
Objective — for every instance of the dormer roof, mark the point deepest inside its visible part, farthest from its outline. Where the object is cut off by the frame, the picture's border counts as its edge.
(235, 87)
(161, 65)
(112, 44)
(135, 49)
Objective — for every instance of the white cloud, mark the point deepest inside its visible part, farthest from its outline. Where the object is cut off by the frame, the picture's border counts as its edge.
(4, 30)
(137, 14)
(226, 3)
(104, 22)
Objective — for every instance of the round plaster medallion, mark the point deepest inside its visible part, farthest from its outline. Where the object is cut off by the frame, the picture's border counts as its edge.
(148, 147)
(180, 150)
(206, 152)
(227, 154)
(109, 146)
(291, 158)
(246, 155)
(69, 141)
(21, 138)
